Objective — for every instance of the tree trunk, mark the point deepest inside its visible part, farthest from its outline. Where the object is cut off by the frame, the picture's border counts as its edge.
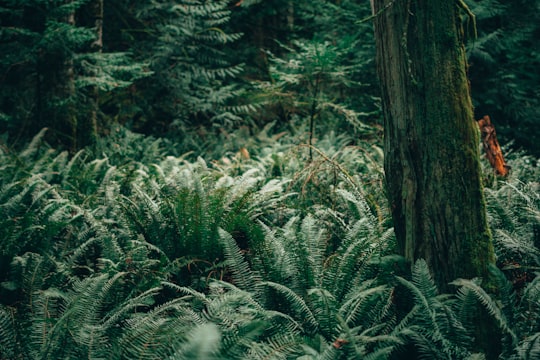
(56, 93)
(88, 126)
(431, 139)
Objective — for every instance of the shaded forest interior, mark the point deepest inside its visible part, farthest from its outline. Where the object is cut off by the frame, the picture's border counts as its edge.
(184, 69)
(203, 179)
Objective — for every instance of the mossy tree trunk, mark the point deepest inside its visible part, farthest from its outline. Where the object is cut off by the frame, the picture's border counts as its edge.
(431, 139)
(431, 145)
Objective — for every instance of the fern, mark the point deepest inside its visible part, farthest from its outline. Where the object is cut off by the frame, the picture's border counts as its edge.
(39, 307)
(241, 274)
(248, 330)
(280, 346)
(296, 303)
(8, 337)
(529, 348)
(161, 331)
(203, 343)
(367, 305)
(137, 253)
(514, 215)
(431, 326)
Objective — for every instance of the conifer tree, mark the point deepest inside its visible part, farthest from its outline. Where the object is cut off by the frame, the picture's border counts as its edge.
(431, 139)
(432, 163)
(53, 65)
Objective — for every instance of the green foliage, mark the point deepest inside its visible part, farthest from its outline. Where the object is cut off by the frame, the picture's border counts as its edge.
(513, 210)
(52, 69)
(228, 241)
(125, 250)
(139, 247)
(131, 244)
(311, 84)
(432, 326)
(502, 68)
(309, 66)
(185, 44)
(109, 72)
(514, 216)
(7, 333)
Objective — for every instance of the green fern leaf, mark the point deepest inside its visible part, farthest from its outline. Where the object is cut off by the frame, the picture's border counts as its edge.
(488, 303)
(242, 275)
(203, 343)
(297, 305)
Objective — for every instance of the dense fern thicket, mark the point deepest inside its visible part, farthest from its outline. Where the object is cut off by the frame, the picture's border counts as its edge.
(206, 183)
(127, 251)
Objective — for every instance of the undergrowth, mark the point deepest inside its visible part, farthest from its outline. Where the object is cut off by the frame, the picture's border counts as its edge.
(272, 250)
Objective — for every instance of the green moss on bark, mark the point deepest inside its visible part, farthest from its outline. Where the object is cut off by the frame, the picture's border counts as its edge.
(431, 141)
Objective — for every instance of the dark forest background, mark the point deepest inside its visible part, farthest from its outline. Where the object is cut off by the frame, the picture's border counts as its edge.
(191, 70)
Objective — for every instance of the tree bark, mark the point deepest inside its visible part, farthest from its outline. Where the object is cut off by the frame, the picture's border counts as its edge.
(431, 139)
(56, 92)
(88, 127)
(492, 148)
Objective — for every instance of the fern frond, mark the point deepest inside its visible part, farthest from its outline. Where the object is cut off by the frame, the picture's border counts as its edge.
(487, 302)
(383, 352)
(352, 257)
(426, 348)
(200, 297)
(531, 294)
(44, 338)
(202, 343)
(33, 147)
(8, 335)
(324, 308)
(434, 321)
(242, 275)
(423, 280)
(366, 305)
(529, 348)
(161, 331)
(282, 345)
(297, 305)
(313, 242)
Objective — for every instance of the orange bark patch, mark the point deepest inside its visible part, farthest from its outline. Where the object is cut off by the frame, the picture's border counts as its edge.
(491, 146)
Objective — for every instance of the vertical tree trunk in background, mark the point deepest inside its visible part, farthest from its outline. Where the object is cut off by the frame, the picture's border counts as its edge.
(431, 139)
(56, 92)
(88, 125)
(290, 15)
